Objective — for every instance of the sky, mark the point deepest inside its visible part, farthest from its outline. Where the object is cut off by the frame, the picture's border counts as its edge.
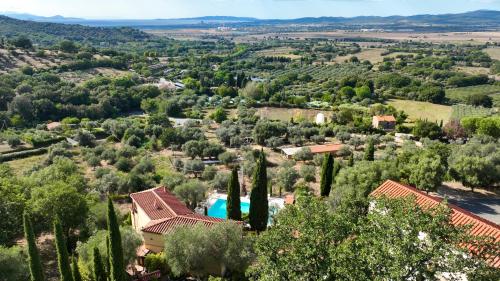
(264, 9)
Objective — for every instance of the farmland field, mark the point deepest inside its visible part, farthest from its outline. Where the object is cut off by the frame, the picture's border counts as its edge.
(459, 94)
(372, 55)
(278, 52)
(460, 111)
(494, 53)
(423, 110)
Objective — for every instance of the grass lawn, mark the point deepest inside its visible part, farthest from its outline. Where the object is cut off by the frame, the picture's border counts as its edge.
(423, 110)
(459, 94)
(20, 166)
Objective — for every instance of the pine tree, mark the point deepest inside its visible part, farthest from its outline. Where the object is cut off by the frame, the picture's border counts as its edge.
(99, 271)
(35, 264)
(117, 265)
(62, 252)
(350, 160)
(75, 270)
(370, 151)
(326, 175)
(233, 197)
(259, 205)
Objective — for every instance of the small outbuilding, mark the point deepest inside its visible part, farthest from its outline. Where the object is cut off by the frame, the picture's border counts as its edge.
(384, 122)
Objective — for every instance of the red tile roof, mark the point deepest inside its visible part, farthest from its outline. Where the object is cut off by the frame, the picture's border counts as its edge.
(165, 225)
(459, 216)
(325, 148)
(385, 118)
(166, 211)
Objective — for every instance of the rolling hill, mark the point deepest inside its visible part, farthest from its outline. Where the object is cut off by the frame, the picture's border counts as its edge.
(49, 33)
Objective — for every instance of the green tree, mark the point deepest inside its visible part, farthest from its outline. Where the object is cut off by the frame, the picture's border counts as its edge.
(233, 197)
(131, 240)
(369, 151)
(326, 175)
(426, 129)
(335, 171)
(427, 172)
(350, 160)
(99, 269)
(117, 270)
(259, 205)
(297, 247)
(75, 270)
(222, 248)
(62, 252)
(12, 204)
(364, 176)
(13, 266)
(36, 271)
(191, 192)
(286, 177)
(219, 115)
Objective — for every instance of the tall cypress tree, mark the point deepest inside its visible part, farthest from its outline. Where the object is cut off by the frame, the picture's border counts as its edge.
(259, 205)
(326, 175)
(75, 270)
(370, 151)
(99, 271)
(35, 264)
(117, 265)
(233, 197)
(62, 252)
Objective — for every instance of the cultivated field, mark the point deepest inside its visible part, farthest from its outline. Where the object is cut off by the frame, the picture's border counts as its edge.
(278, 52)
(461, 110)
(372, 55)
(423, 110)
(494, 53)
(459, 94)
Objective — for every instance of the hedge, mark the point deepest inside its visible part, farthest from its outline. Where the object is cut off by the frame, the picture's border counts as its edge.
(22, 154)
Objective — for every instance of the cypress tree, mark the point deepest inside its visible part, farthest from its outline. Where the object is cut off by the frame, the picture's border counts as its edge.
(350, 160)
(259, 205)
(62, 252)
(99, 271)
(117, 265)
(326, 175)
(76, 272)
(35, 264)
(233, 197)
(370, 151)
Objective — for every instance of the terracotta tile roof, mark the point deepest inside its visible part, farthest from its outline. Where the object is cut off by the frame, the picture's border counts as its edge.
(166, 211)
(166, 225)
(385, 118)
(325, 148)
(459, 216)
(159, 203)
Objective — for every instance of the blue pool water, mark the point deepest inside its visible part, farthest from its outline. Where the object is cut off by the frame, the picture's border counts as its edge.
(218, 209)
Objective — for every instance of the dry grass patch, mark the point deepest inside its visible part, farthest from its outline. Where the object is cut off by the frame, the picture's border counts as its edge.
(423, 110)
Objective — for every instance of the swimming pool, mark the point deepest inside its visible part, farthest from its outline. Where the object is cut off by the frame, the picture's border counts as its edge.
(218, 209)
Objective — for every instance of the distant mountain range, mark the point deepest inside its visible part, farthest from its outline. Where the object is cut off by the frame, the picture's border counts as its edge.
(487, 19)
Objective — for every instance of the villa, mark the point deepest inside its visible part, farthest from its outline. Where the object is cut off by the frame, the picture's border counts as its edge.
(157, 211)
(459, 217)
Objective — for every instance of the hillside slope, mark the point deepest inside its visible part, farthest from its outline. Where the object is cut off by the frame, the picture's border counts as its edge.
(49, 33)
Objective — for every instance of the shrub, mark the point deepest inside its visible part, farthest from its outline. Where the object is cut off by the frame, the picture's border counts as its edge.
(227, 158)
(308, 173)
(155, 262)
